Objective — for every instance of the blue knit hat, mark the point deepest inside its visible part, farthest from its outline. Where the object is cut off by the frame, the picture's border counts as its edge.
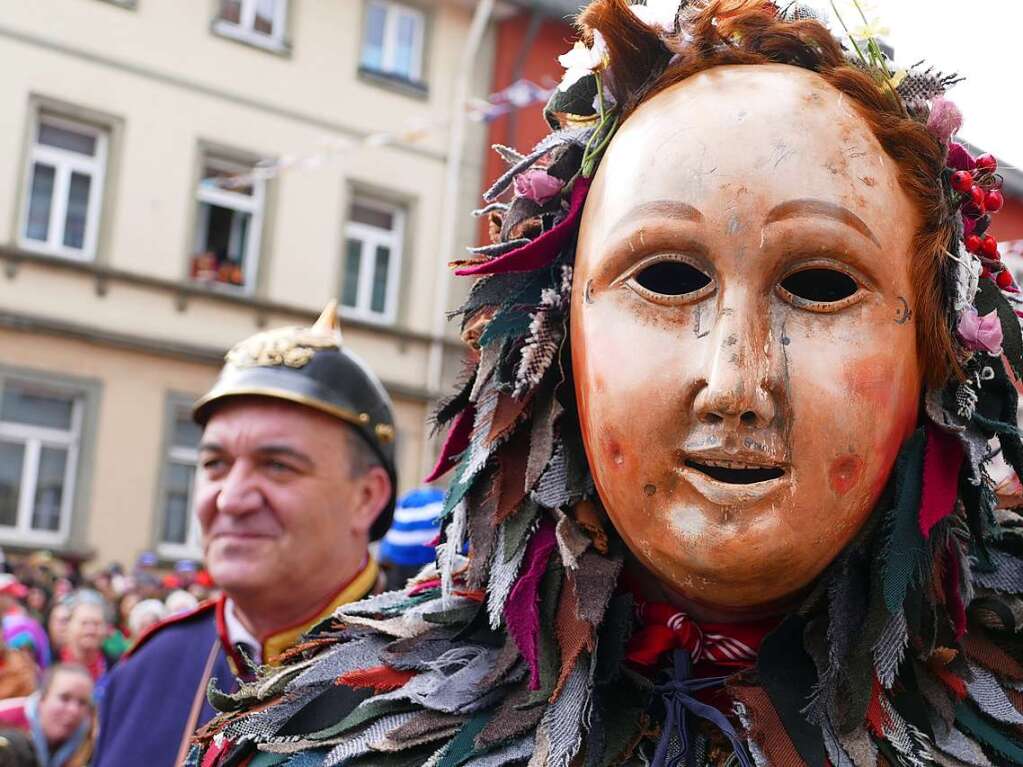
(416, 525)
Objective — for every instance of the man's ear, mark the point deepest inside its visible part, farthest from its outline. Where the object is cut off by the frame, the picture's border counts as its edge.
(373, 491)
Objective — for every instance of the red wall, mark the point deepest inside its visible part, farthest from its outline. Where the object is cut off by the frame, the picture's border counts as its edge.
(523, 128)
(1007, 224)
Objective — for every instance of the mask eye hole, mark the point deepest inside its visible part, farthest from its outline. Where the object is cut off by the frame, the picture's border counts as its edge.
(671, 279)
(821, 287)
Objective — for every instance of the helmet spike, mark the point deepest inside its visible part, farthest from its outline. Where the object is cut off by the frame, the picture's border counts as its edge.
(328, 323)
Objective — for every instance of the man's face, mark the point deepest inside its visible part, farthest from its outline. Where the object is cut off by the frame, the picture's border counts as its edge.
(280, 509)
(66, 704)
(86, 627)
(744, 331)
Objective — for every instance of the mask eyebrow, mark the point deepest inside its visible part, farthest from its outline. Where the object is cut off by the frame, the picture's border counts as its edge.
(662, 209)
(809, 207)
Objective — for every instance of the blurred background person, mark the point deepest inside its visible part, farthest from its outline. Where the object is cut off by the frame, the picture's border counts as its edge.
(20, 630)
(86, 630)
(409, 543)
(179, 602)
(36, 602)
(19, 674)
(144, 614)
(121, 634)
(125, 605)
(58, 718)
(202, 587)
(56, 625)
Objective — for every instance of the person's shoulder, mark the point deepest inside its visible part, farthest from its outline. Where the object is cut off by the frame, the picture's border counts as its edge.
(205, 612)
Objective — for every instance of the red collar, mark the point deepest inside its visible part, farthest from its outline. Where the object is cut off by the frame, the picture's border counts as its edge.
(361, 584)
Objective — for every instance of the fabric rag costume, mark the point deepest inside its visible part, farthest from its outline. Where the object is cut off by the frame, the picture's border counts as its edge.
(547, 643)
(156, 696)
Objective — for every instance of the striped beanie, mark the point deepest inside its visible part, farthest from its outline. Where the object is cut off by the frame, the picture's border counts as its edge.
(415, 527)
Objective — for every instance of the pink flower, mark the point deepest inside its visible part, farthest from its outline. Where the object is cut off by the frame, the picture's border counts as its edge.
(945, 119)
(982, 334)
(537, 185)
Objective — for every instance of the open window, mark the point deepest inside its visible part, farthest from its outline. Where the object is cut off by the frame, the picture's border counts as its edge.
(229, 222)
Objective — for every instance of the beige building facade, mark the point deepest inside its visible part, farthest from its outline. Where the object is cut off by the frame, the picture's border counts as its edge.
(137, 244)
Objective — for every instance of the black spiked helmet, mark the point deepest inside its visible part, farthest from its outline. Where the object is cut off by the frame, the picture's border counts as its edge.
(309, 366)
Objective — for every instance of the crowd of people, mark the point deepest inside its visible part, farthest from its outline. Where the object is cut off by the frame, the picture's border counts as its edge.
(62, 633)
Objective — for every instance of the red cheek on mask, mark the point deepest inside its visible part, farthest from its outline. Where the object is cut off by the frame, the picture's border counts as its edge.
(845, 473)
(870, 379)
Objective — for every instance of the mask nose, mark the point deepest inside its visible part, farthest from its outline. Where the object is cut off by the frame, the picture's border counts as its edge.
(737, 388)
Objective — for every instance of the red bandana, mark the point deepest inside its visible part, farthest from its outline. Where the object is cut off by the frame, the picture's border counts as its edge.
(724, 645)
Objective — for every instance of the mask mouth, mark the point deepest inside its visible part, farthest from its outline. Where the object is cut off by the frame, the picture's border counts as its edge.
(736, 472)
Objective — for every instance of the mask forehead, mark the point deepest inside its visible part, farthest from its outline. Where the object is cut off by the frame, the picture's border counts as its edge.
(739, 140)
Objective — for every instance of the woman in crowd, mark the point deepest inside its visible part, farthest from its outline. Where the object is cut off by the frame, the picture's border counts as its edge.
(56, 625)
(20, 630)
(87, 629)
(19, 673)
(58, 718)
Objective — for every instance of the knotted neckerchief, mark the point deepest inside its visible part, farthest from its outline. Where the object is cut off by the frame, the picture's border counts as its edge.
(721, 647)
(729, 646)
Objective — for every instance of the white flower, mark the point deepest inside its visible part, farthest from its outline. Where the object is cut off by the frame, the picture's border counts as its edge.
(581, 61)
(873, 30)
(659, 14)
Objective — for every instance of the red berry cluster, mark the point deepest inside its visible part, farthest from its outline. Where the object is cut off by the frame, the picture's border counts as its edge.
(981, 195)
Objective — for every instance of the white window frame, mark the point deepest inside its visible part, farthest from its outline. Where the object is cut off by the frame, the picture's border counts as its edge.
(35, 438)
(180, 454)
(245, 29)
(243, 203)
(393, 12)
(65, 163)
(371, 237)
